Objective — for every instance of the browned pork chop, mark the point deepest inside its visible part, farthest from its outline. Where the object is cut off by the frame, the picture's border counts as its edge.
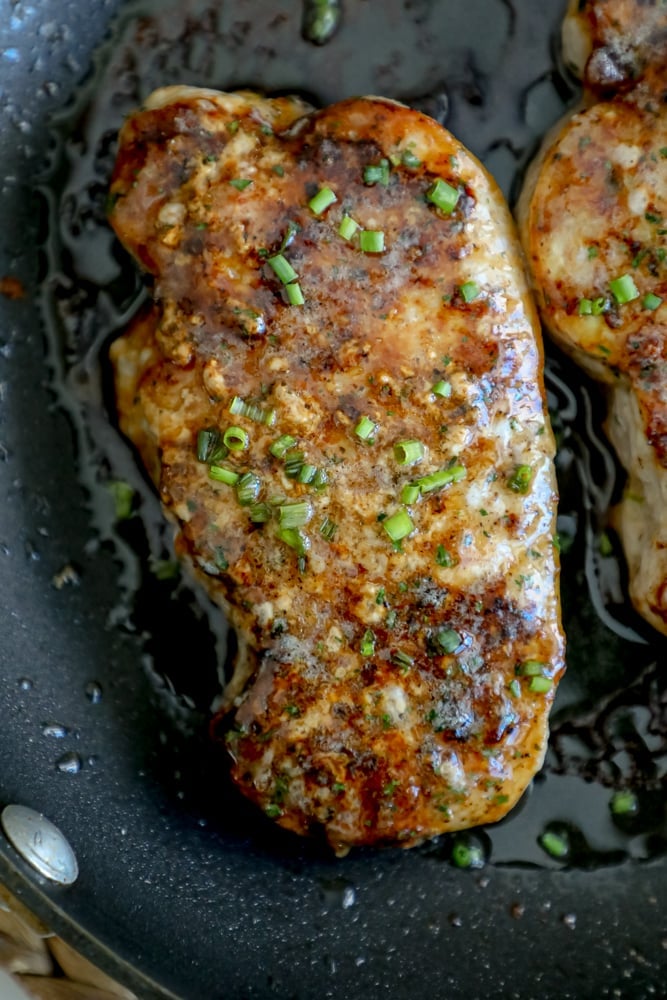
(339, 394)
(593, 220)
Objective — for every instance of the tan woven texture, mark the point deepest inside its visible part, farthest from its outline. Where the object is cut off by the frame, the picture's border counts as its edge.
(42, 966)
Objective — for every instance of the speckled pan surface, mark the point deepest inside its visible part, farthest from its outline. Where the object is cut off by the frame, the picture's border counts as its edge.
(107, 664)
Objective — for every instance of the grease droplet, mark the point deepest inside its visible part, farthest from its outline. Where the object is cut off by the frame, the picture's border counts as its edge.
(93, 692)
(25, 684)
(55, 730)
(69, 763)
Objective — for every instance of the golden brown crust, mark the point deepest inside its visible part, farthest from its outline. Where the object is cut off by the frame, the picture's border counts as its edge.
(385, 704)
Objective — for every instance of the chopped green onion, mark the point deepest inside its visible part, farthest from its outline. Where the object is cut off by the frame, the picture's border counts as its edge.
(328, 529)
(294, 294)
(294, 515)
(442, 556)
(531, 668)
(278, 169)
(443, 196)
(585, 307)
(402, 659)
(123, 497)
(282, 268)
(371, 240)
(240, 183)
(347, 227)
(448, 639)
(295, 539)
(207, 443)
(377, 173)
(239, 408)
(520, 479)
(555, 844)
(367, 645)
(233, 126)
(365, 428)
(540, 685)
(469, 291)
(222, 475)
(291, 229)
(599, 306)
(410, 161)
(321, 201)
(307, 473)
(293, 463)
(408, 452)
(624, 803)
(259, 513)
(624, 289)
(466, 854)
(281, 445)
(410, 493)
(273, 811)
(319, 480)
(442, 388)
(651, 301)
(248, 488)
(398, 526)
(236, 438)
(514, 688)
(443, 477)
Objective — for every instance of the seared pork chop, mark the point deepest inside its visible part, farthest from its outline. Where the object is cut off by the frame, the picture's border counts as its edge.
(339, 395)
(593, 219)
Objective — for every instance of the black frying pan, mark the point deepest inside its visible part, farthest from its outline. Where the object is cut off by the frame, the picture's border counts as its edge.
(183, 887)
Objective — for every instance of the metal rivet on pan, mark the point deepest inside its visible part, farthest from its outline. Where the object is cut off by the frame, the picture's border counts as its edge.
(40, 843)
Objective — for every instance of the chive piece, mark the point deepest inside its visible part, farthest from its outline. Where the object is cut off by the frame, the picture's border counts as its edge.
(294, 294)
(399, 525)
(403, 660)
(293, 463)
(282, 268)
(123, 498)
(236, 438)
(410, 493)
(233, 126)
(348, 227)
(319, 480)
(599, 306)
(410, 161)
(281, 445)
(295, 539)
(278, 169)
(306, 474)
(259, 513)
(328, 529)
(294, 515)
(554, 844)
(207, 442)
(651, 301)
(222, 475)
(514, 688)
(520, 479)
(624, 803)
(443, 196)
(377, 173)
(239, 408)
(469, 291)
(442, 388)
(408, 452)
(321, 201)
(273, 811)
(624, 289)
(540, 685)
(367, 644)
(240, 183)
(467, 855)
(531, 668)
(442, 557)
(371, 240)
(248, 488)
(365, 428)
(585, 307)
(448, 639)
(443, 477)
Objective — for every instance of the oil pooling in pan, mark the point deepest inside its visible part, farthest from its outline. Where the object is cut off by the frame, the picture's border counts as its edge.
(600, 798)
